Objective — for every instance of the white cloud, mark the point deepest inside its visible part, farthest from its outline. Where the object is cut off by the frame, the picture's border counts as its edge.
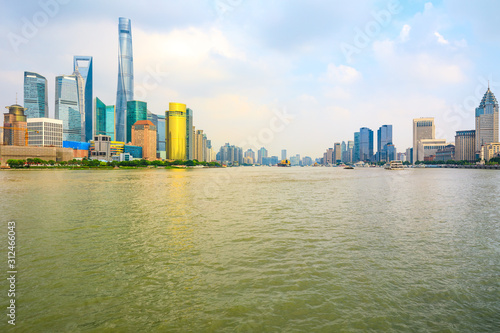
(440, 38)
(404, 35)
(342, 74)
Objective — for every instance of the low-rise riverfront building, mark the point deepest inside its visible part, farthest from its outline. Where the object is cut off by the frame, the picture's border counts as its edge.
(45, 132)
(490, 151)
(57, 154)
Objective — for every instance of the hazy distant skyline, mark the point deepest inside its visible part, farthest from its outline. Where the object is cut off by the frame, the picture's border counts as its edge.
(333, 65)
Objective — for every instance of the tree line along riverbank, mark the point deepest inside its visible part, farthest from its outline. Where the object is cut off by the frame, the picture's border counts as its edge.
(37, 163)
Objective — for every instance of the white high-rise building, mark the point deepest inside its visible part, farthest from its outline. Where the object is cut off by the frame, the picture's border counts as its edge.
(423, 129)
(45, 132)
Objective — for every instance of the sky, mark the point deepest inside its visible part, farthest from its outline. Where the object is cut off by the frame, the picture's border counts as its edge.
(294, 75)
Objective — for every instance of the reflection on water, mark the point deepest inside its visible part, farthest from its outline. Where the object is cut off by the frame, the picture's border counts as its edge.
(256, 249)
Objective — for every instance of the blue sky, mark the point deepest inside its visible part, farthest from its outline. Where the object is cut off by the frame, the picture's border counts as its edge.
(295, 75)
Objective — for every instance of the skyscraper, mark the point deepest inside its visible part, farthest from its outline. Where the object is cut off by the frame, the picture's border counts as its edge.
(283, 154)
(465, 146)
(125, 90)
(250, 155)
(159, 121)
(384, 137)
(423, 129)
(189, 134)
(199, 152)
(36, 101)
(337, 153)
(365, 144)
(144, 135)
(350, 151)
(104, 122)
(67, 107)
(136, 110)
(262, 152)
(175, 128)
(83, 65)
(355, 157)
(486, 121)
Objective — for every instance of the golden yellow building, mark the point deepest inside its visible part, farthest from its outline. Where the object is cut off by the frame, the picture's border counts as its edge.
(175, 131)
(15, 126)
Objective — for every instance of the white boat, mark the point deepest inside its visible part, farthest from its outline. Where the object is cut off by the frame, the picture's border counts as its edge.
(394, 165)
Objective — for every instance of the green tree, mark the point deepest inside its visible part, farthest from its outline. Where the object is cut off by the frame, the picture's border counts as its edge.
(14, 163)
(51, 162)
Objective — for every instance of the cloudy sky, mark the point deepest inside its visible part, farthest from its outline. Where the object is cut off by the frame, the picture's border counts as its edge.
(295, 75)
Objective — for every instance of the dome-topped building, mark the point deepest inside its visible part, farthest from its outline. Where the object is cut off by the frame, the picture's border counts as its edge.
(486, 120)
(15, 119)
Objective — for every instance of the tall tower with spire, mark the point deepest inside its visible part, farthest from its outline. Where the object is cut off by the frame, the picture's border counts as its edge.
(125, 91)
(486, 120)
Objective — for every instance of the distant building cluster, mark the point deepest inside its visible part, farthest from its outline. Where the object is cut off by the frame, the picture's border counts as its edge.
(86, 127)
(470, 145)
(126, 130)
(361, 149)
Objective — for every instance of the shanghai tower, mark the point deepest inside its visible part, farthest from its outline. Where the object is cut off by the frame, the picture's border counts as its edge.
(125, 91)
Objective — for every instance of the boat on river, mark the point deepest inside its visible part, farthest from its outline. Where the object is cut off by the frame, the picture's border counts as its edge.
(394, 165)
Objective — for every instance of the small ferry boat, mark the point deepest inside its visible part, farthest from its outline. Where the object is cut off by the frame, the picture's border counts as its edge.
(284, 163)
(348, 167)
(394, 165)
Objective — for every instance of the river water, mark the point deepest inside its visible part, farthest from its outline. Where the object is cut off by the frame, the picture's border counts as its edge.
(254, 249)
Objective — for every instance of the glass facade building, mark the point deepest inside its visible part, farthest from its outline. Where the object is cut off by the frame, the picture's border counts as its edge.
(261, 153)
(189, 134)
(384, 137)
(159, 122)
(134, 151)
(36, 101)
(175, 131)
(136, 110)
(83, 66)
(67, 107)
(355, 157)
(104, 121)
(125, 90)
(365, 144)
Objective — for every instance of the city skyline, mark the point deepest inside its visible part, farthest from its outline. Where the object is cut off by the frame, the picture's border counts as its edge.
(420, 62)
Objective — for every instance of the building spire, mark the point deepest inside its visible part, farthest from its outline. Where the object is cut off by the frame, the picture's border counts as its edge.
(16, 97)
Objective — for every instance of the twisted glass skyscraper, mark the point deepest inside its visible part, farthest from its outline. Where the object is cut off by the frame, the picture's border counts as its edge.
(125, 91)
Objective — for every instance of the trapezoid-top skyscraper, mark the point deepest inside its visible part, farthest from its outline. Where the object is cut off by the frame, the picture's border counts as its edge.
(82, 66)
(125, 91)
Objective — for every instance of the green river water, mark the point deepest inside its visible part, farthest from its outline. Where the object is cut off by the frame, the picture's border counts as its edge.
(253, 250)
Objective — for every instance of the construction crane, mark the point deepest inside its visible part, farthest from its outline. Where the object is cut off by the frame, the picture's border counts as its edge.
(21, 129)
